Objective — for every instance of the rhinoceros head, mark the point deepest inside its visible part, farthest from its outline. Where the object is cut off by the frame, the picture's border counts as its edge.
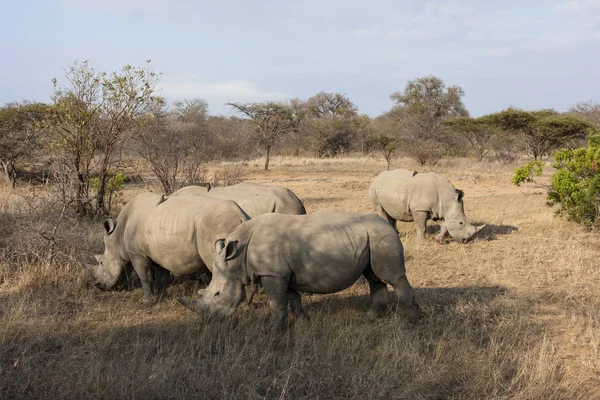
(225, 291)
(110, 265)
(456, 221)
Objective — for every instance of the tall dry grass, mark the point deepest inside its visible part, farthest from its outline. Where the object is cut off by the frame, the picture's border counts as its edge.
(513, 314)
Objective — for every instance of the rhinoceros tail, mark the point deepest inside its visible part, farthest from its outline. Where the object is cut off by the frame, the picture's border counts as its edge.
(414, 173)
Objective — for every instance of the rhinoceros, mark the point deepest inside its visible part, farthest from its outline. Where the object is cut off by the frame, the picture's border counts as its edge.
(157, 236)
(255, 199)
(324, 252)
(403, 195)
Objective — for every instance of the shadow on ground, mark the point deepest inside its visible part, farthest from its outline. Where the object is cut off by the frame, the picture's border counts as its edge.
(489, 232)
(434, 300)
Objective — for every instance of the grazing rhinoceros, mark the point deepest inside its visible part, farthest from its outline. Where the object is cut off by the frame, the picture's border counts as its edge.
(405, 195)
(157, 236)
(324, 252)
(255, 199)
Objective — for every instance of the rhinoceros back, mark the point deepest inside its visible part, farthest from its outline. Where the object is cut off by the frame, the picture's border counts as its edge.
(394, 191)
(257, 199)
(181, 232)
(323, 252)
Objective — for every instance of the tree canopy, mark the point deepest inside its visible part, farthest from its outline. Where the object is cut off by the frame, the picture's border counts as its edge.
(271, 121)
(542, 130)
(20, 125)
(94, 114)
(476, 131)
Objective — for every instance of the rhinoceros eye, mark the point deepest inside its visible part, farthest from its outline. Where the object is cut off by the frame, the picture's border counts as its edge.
(462, 223)
(218, 293)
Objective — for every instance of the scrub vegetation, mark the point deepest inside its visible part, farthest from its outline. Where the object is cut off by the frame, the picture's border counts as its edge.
(513, 314)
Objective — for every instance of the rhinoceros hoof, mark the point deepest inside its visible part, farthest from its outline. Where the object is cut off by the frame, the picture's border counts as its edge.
(148, 300)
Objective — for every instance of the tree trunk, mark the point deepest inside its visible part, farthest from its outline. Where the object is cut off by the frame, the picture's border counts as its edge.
(100, 205)
(267, 156)
(9, 174)
(480, 155)
(81, 210)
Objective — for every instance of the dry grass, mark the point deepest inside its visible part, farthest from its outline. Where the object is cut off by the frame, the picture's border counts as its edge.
(513, 314)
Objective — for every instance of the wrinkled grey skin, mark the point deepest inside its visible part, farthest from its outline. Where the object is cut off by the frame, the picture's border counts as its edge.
(255, 199)
(403, 195)
(155, 236)
(323, 252)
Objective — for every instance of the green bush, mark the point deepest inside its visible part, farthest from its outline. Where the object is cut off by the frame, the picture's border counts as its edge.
(575, 186)
(114, 186)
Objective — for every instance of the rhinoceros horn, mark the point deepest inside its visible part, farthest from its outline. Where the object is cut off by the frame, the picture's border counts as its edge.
(194, 305)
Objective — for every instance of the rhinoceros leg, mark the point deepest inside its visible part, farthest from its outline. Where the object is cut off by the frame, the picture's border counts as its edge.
(406, 299)
(379, 293)
(379, 210)
(443, 230)
(145, 268)
(249, 293)
(420, 218)
(388, 268)
(296, 304)
(160, 280)
(277, 291)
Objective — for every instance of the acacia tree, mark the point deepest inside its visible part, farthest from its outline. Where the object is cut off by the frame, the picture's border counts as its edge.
(477, 132)
(271, 121)
(419, 111)
(542, 130)
(332, 124)
(127, 98)
(386, 145)
(430, 100)
(71, 138)
(20, 125)
(589, 111)
(95, 114)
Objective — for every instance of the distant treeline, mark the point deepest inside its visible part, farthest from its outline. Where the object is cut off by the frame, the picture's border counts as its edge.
(101, 123)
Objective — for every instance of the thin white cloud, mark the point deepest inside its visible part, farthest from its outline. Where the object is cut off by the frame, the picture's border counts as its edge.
(577, 5)
(368, 32)
(221, 92)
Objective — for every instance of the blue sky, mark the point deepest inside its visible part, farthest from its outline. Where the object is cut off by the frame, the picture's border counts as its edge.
(528, 54)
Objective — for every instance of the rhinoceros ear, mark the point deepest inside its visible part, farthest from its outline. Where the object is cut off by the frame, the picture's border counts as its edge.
(109, 225)
(231, 250)
(459, 194)
(219, 245)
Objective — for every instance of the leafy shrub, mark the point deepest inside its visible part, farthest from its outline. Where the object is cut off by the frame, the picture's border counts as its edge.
(575, 186)
(527, 172)
(386, 145)
(423, 151)
(114, 186)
